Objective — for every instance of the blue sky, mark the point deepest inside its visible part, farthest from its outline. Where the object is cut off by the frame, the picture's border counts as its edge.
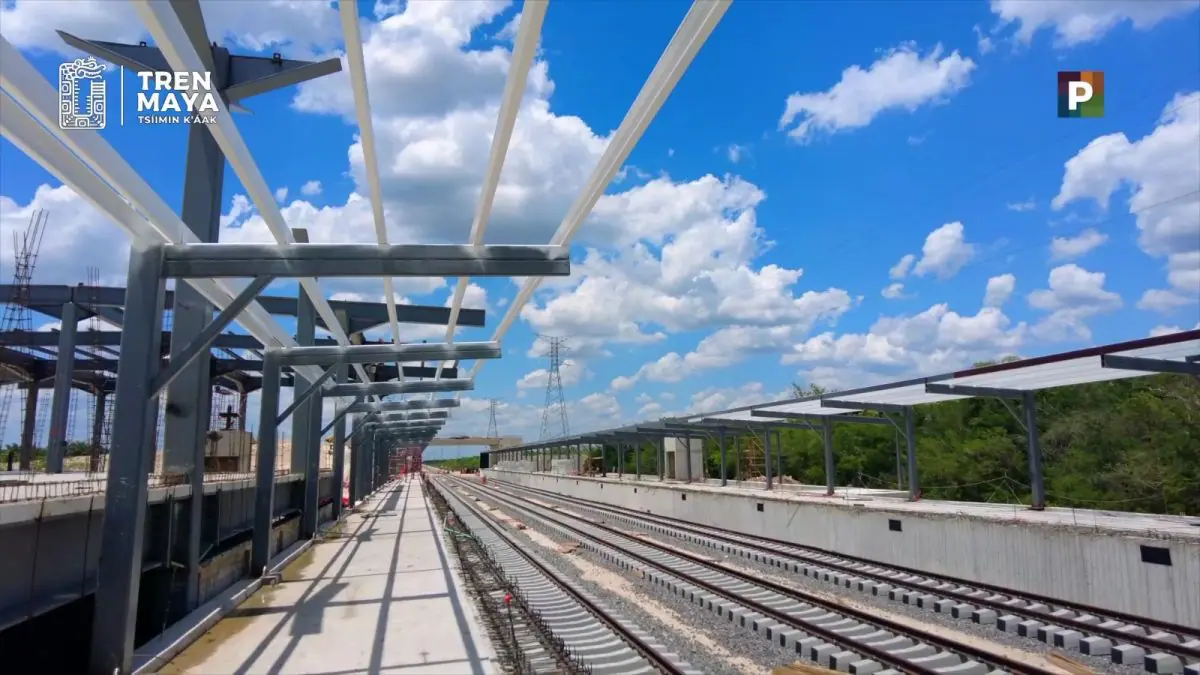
(740, 251)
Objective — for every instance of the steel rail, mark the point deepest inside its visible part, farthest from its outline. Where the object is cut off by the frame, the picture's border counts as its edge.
(1114, 634)
(635, 642)
(929, 636)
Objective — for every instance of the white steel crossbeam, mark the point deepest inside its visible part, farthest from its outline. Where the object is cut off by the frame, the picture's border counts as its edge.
(533, 13)
(348, 10)
(181, 54)
(699, 23)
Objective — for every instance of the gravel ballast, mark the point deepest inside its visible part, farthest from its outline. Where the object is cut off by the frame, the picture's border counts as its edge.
(1101, 664)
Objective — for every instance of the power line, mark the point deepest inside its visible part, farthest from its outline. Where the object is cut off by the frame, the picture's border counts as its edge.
(555, 400)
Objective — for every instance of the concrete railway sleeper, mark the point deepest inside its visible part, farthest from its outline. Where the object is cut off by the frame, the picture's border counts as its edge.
(608, 643)
(1159, 646)
(830, 634)
(526, 644)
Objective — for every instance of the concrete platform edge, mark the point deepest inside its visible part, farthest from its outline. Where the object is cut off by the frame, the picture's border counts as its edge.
(158, 652)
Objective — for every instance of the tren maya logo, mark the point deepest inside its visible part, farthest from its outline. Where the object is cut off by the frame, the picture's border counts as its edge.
(161, 98)
(1081, 93)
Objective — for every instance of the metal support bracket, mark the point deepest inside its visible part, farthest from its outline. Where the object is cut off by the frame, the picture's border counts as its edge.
(1186, 367)
(308, 392)
(206, 337)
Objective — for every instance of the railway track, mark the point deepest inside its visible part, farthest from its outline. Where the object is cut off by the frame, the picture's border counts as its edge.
(814, 626)
(604, 642)
(1160, 647)
(524, 643)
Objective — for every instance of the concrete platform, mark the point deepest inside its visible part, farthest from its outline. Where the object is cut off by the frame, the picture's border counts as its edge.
(1140, 564)
(379, 596)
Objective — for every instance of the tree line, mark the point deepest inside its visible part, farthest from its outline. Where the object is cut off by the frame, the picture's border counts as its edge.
(1123, 445)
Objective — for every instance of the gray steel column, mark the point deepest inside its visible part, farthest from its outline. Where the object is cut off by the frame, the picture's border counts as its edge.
(620, 459)
(189, 395)
(97, 430)
(1036, 482)
(264, 494)
(687, 441)
(778, 455)
(721, 441)
(899, 470)
(64, 372)
(306, 321)
(767, 456)
(662, 457)
(369, 463)
(339, 451)
(120, 570)
(310, 515)
(579, 458)
(737, 458)
(910, 430)
(28, 425)
(830, 466)
(637, 460)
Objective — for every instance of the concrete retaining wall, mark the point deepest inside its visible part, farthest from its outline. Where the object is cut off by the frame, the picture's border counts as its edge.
(1077, 563)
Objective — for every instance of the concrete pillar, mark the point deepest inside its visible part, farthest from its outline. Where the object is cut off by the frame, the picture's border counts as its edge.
(64, 371)
(28, 426)
(662, 457)
(242, 399)
(1036, 481)
(123, 530)
(97, 430)
(637, 460)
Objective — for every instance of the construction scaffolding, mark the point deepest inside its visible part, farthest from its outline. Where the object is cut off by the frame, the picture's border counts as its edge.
(19, 318)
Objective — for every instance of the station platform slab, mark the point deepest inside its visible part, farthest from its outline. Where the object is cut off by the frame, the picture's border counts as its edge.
(380, 595)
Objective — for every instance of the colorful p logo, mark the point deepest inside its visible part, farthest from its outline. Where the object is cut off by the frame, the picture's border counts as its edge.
(1081, 93)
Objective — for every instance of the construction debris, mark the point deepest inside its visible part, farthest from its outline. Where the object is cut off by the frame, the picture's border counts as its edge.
(568, 547)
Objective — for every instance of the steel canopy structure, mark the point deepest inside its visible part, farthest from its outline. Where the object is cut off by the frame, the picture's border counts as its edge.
(166, 245)
(1008, 381)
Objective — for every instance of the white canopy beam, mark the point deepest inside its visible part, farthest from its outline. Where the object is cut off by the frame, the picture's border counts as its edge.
(533, 14)
(348, 10)
(699, 23)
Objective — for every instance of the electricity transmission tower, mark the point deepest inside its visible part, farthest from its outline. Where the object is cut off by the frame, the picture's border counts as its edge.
(492, 430)
(556, 404)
